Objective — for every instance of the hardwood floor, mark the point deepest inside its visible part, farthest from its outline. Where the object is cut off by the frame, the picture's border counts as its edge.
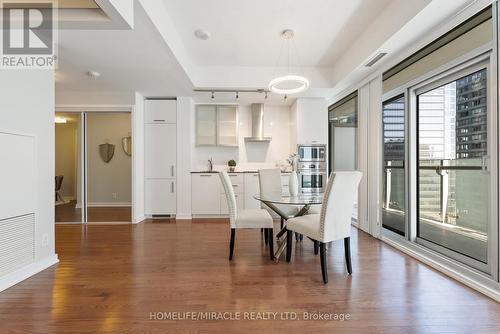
(69, 213)
(111, 278)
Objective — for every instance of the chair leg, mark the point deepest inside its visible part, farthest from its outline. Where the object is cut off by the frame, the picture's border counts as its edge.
(266, 235)
(316, 248)
(296, 236)
(282, 223)
(347, 249)
(271, 243)
(231, 244)
(301, 237)
(322, 254)
(289, 239)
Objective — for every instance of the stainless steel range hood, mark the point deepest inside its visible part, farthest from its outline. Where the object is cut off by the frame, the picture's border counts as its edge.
(257, 124)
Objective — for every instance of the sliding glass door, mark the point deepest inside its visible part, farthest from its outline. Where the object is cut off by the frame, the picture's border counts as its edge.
(394, 172)
(454, 183)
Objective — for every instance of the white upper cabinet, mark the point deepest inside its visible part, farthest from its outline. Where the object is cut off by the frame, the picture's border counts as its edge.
(227, 126)
(206, 125)
(217, 125)
(160, 111)
(160, 151)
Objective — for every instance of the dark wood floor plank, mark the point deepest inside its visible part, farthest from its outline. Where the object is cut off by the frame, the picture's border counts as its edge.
(110, 278)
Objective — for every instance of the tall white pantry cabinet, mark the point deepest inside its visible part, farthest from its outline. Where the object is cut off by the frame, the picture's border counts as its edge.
(160, 132)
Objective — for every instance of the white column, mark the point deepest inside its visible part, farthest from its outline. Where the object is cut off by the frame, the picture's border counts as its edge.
(185, 112)
(138, 160)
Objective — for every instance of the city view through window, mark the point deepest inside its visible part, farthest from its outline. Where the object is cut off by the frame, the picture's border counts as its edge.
(452, 186)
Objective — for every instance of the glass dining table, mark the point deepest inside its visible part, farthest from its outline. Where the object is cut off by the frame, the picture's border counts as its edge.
(274, 200)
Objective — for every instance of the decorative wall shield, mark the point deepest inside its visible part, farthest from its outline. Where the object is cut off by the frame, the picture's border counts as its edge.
(107, 151)
(127, 145)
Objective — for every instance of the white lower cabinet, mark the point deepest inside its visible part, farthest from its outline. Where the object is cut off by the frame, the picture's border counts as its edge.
(208, 197)
(240, 203)
(160, 196)
(251, 189)
(205, 194)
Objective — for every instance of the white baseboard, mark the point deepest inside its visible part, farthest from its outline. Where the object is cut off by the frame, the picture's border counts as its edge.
(210, 216)
(183, 216)
(109, 204)
(21, 274)
(138, 220)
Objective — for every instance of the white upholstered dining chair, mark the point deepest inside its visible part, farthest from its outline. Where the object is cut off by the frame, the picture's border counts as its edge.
(251, 218)
(333, 222)
(270, 183)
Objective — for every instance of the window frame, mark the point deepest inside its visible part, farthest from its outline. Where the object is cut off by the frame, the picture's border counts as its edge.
(483, 61)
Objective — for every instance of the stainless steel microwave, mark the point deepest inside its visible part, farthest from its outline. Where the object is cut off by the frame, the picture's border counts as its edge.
(312, 152)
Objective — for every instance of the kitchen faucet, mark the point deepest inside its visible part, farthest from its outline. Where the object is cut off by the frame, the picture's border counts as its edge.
(210, 165)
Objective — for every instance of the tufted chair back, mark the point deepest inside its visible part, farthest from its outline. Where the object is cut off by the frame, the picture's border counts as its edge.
(338, 202)
(231, 199)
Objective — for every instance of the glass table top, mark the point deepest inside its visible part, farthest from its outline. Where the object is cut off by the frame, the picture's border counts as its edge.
(300, 199)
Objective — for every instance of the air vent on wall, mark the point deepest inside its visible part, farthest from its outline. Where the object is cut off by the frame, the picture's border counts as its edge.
(375, 59)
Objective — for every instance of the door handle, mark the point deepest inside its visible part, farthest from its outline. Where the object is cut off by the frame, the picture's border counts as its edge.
(172, 187)
(172, 170)
(158, 120)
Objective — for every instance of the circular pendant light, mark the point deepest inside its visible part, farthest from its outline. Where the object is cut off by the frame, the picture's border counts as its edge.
(289, 83)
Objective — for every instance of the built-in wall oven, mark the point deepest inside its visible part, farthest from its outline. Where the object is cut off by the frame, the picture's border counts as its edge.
(312, 152)
(312, 169)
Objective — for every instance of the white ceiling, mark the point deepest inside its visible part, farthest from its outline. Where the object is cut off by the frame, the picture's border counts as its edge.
(161, 56)
(128, 60)
(247, 33)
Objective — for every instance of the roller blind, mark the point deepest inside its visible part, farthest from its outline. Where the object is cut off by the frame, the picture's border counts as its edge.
(471, 34)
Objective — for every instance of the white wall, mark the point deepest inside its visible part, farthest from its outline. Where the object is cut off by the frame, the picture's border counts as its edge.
(138, 160)
(185, 143)
(106, 179)
(248, 154)
(33, 116)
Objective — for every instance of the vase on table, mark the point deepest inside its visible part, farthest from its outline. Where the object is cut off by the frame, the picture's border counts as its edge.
(293, 184)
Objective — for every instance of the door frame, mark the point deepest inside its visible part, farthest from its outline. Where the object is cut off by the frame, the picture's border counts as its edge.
(83, 110)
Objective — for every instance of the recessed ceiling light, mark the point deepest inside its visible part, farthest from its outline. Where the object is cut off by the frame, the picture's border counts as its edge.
(93, 74)
(202, 34)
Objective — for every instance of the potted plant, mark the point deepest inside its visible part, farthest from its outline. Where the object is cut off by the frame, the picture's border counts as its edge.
(232, 165)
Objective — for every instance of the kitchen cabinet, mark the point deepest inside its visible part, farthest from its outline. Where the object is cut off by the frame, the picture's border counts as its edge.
(238, 183)
(206, 125)
(216, 125)
(160, 150)
(227, 126)
(160, 157)
(160, 196)
(240, 203)
(251, 189)
(205, 194)
(160, 111)
(209, 198)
